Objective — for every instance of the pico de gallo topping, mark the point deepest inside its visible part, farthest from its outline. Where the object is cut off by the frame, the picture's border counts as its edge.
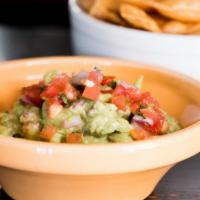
(87, 107)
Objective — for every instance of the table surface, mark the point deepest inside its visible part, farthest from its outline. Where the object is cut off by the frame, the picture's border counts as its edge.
(181, 183)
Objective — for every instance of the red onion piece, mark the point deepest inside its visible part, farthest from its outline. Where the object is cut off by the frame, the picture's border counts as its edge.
(76, 121)
(140, 120)
(25, 100)
(78, 104)
(78, 79)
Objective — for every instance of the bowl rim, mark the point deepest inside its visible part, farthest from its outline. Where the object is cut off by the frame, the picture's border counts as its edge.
(84, 16)
(49, 152)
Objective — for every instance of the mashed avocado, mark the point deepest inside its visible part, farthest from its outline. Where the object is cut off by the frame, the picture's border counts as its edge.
(104, 119)
(173, 124)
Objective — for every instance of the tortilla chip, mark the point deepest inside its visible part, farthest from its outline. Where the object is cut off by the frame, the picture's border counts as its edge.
(180, 10)
(194, 29)
(196, 33)
(86, 4)
(161, 20)
(106, 10)
(143, 4)
(176, 27)
(138, 18)
(168, 16)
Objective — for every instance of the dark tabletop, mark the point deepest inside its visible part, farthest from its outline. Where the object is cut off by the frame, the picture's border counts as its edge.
(181, 183)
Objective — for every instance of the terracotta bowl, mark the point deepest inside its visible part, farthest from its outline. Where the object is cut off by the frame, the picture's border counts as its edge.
(32, 170)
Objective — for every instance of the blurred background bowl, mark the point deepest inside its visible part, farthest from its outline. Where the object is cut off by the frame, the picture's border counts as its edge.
(94, 37)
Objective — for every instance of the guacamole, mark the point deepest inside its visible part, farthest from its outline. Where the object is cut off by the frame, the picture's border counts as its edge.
(87, 107)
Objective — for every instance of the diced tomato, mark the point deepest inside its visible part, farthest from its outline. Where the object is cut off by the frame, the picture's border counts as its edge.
(157, 129)
(107, 80)
(32, 94)
(119, 90)
(119, 101)
(50, 92)
(139, 134)
(134, 94)
(41, 84)
(151, 114)
(54, 100)
(149, 128)
(95, 76)
(148, 99)
(145, 94)
(74, 138)
(54, 107)
(134, 107)
(60, 82)
(48, 132)
(107, 91)
(58, 86)
(92, 93)
(70, 92)
(160, 124)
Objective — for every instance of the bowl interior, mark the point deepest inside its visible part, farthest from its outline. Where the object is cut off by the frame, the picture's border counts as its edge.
(172, 90)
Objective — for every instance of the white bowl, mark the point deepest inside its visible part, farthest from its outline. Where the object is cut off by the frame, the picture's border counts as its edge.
(94, 37)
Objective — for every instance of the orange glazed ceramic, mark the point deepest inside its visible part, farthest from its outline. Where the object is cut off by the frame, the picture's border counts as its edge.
(31, 170)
